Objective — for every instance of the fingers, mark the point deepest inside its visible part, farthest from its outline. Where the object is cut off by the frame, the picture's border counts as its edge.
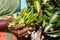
(19, 26)
(22, 33)
(19, 32)
(25, 34)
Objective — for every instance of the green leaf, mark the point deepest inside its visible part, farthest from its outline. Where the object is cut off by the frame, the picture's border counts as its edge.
(54, 33)
(48, 27)
(48, 13)
(53, 17)
(21, 21)
(31, 18)
(28, 14)
(45, 17)
(44, 1)
(37, 6)
(57, 2)
(34, 17)
(39, 20)
(23, 12)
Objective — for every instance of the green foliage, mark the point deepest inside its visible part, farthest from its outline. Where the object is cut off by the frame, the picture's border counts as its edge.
(50, 17)
(37, 6)
(26, 17)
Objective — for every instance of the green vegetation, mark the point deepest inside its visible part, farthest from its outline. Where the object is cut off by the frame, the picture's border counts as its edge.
(44, 13)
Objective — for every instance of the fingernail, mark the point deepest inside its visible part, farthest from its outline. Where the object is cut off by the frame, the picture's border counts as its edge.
(26, 36)
(29, 32)
(30, 28)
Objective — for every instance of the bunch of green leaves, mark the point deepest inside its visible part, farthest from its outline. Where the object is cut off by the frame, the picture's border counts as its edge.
(26, 17)
(50, 20)
(53, 21)
(29, 15)
(53, 13)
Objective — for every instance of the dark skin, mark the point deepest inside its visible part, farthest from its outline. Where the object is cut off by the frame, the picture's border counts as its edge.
(19, 29)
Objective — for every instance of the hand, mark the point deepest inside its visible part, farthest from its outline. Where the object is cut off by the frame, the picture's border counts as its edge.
(21, 30)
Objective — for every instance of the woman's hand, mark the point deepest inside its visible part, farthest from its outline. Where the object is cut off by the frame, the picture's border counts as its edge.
(21, 30)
